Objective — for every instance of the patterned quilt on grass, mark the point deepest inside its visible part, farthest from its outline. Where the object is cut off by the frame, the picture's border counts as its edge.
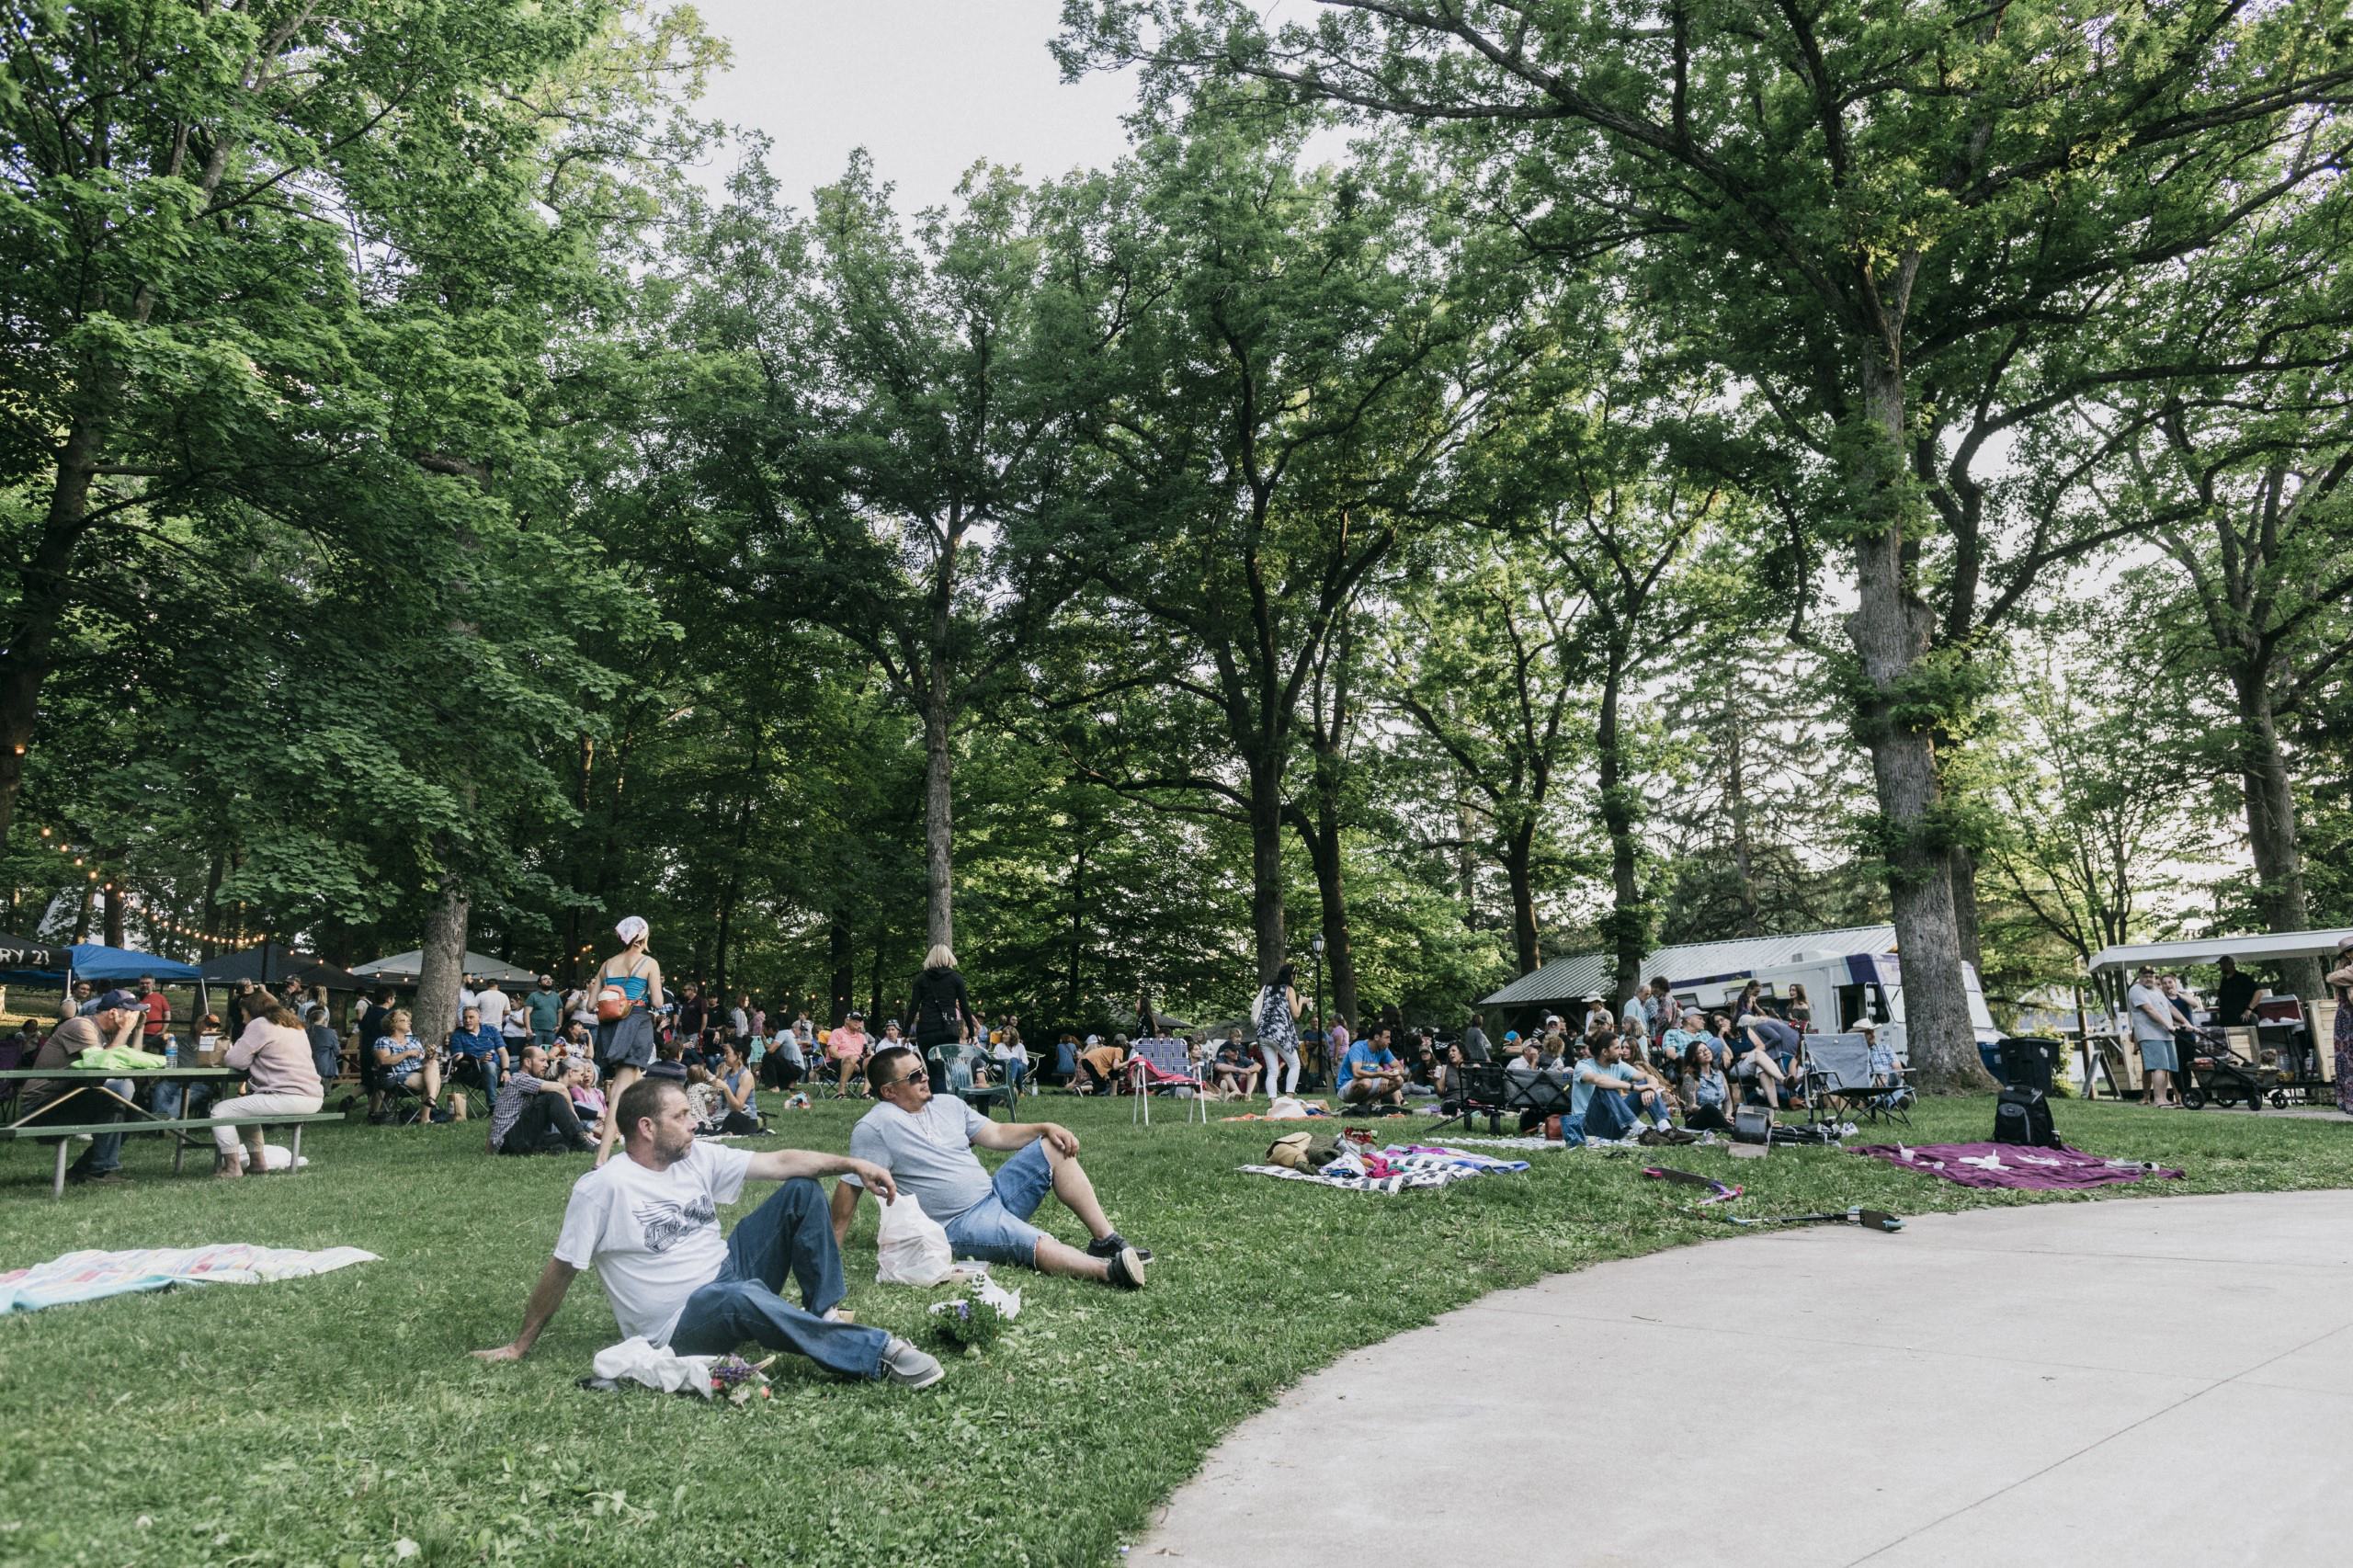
(1399, 1167)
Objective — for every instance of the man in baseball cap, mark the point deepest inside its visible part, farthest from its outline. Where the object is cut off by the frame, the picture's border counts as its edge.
(113, 1019)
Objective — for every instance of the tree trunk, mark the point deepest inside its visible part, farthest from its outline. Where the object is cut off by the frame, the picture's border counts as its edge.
(844, 967)
(442, 969)
(81, 912)
(1889, 629)
(1964, 871)
(1267, 864)
(113, 919)
(1323, 840)
(2272, 834)
(939, 848)
(1518, 852)
(874, 986)
(1077, 930)
(1627, 923)
(1744, 849)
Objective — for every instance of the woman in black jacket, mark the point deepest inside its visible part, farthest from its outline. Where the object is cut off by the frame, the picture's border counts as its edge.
(943, 1009)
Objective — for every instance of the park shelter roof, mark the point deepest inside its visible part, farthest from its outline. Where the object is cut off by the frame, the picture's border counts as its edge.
(95, 962)
(1593, 974)
(402, 968)
(2246, 949)
(274, 961)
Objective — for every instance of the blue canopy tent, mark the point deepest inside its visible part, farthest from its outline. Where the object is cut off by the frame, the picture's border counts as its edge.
(103, 965)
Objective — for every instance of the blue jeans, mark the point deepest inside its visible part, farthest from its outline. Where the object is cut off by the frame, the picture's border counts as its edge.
(998, 1228)
(104, 1156)
(791, 1233)
(175, 1100)
(1612, 1115)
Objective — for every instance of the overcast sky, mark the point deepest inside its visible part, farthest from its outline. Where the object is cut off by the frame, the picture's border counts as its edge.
(928, 87)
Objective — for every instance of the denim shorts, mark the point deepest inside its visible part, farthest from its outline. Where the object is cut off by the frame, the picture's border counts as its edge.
(998, 1228)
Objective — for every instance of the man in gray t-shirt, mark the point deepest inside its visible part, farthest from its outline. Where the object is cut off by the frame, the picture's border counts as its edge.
(2154, 1018)
(926, 1142)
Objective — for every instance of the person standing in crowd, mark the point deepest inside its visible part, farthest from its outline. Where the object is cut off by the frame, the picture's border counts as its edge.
(493, 1002)
(847, 1047)
(372, 1019)
(694, 1017)
(468, 995)
(274, 1054)
(112, 1021)
(2340, 983)
(544, 1005)
(626, 989)
(943, 1007)
(326, 1052)
(158, 1008)
(75, 1002)
(1475, 1046)
(2235, 995)
(1275, 1015)
(2155, 1020)
(1659, 1010)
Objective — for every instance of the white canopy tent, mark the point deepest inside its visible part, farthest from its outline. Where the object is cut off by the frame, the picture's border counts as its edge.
(2206, 950)
(401, 969)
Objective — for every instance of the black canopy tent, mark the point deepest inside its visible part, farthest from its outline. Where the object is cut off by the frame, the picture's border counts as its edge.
(273, 963)
(20, 955)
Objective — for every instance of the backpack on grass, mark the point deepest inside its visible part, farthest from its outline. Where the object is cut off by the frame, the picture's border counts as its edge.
(2023, 1116)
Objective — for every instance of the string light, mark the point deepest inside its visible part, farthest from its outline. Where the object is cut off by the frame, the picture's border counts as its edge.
(155, 918)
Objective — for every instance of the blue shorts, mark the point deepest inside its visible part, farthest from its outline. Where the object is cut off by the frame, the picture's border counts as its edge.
(998, 1228)
(2158, 1056)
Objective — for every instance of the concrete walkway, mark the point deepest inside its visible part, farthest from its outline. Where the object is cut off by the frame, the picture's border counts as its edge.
(2128, 1382)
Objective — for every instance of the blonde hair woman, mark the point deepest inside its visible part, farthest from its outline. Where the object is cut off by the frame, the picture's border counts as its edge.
(625, 1042)
(943, 1006)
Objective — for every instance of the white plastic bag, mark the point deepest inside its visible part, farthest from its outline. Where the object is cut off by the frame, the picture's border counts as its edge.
(912, 1247)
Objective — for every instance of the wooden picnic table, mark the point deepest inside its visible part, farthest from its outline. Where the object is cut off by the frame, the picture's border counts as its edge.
(88, 1079)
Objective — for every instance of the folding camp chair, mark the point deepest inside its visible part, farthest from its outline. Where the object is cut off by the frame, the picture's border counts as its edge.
(1484, 1088)
(1839, 1067)
(1164, 1062)
(1535, 1096)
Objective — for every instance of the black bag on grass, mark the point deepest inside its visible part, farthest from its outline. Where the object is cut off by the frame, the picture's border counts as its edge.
(2023, 1116)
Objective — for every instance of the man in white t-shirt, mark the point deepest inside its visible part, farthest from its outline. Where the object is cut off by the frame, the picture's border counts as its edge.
(494, 1004)
(925, 1142)
(2155, 1017)
(650, 1224)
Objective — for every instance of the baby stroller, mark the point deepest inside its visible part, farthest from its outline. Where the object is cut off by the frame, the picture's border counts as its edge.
(2211, 1071)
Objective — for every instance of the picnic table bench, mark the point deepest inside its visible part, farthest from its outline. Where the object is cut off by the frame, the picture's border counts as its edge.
(93, 1080)
(178, 1128)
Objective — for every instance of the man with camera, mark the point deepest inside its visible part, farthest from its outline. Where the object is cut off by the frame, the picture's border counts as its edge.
(649, 1224)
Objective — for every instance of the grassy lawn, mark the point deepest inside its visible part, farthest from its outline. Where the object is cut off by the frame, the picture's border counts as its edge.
(335, 1420)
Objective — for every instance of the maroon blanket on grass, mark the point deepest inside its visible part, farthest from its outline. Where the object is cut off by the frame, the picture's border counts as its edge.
(2013, 1164)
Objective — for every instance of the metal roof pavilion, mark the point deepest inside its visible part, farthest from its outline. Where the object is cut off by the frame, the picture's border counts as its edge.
(1591, 975)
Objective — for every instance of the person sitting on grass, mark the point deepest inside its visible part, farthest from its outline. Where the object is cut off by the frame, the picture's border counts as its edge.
(477, 1053)
(926, 1142)
(1370, 1072)
(648, 1223)
(402, 1063)
(1705, 1090)
(1612, 1095)
(1236, 1067)
(1765, 1047)
(737, 1091)
(534, 1113)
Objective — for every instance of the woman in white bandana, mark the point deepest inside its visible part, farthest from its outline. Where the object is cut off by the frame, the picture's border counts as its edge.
(627, 993)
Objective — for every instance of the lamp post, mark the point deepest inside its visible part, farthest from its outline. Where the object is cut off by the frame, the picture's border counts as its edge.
(1323, 1027)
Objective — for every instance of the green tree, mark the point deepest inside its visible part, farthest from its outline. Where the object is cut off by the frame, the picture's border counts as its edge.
(1834, 200)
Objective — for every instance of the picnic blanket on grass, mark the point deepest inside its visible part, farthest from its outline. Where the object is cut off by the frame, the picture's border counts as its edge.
(92, 1276)
(2013, 1166)
(1399, 1167)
